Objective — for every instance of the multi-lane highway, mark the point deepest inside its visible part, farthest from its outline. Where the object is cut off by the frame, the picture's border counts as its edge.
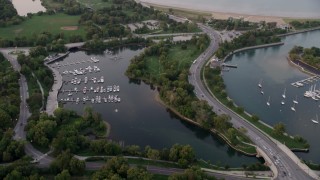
(282, 161)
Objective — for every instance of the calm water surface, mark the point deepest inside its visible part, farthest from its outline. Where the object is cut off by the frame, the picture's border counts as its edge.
(28, 6)
(270, 64)
(282, 8)
(140, 118)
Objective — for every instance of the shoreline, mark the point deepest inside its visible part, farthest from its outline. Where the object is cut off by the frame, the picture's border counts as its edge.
(262, 122)
(225, 15)
(213, 131)
(299, 67)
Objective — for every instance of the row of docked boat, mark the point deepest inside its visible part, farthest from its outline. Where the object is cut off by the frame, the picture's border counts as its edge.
(312, 93)
(101, 89)
(96, 99)
(92, 59)
(76, 81)
(82, 71)
(98, 89)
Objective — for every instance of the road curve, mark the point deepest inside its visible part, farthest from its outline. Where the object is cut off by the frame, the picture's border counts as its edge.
(19, 129)
(286, 168)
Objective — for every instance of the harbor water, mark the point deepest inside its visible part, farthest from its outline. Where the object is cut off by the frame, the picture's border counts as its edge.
(277, 74)
(139, 118)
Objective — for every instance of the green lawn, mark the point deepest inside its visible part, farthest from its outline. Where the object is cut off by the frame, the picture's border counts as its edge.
(50, 4)
(190, 14)
(183, 58)
(96, 4)
(33, 86)
(38, 24)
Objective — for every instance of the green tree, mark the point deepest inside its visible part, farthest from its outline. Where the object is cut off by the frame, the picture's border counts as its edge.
(64, 175)
(279, 129)
(138, 174)
(77, 166)
(194, 173)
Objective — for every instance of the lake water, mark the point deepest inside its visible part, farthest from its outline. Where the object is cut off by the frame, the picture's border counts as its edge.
(28, 6)
(282, 8)
(140, 118)
(271, 65)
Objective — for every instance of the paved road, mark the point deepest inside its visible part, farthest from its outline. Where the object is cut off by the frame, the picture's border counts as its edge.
(52, 101)
(20, 133)
(79, 44)
(287, 168)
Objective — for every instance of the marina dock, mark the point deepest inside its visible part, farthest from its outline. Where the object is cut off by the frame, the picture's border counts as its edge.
(94, 87)
(306, 81)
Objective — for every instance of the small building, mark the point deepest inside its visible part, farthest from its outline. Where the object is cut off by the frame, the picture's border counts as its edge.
(214, 63)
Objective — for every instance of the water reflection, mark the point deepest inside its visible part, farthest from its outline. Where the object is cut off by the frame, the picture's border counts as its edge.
(271, 65)
(142, 120)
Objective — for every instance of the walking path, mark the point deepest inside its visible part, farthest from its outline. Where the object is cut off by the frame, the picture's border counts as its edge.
(41, 89)
(52, 101)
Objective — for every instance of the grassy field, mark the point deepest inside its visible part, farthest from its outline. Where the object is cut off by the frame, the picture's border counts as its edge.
(50, 4)
(183, 58)
(38, 24)
(190, 14)
(95, 4)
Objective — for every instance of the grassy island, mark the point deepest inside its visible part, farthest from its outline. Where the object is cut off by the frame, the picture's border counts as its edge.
(309, 56)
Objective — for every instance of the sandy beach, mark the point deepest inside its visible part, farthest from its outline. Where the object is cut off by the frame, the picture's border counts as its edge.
(225, 15)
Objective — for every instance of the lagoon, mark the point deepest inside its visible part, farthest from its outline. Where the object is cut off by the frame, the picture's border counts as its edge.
(271, 65)
(140, 119)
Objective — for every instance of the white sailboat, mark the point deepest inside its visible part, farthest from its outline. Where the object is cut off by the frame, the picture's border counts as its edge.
(261, 92)
(315, 121)
(296, 100)
(293, 107)
(268, 102)
(309, 93)
(284, 93)
(282, 102)
(260, 83)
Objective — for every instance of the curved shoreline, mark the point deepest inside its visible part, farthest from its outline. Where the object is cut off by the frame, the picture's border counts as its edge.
(302, 69)
(213, 131)
(260, 121)
(299, 31)
(252, 47)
